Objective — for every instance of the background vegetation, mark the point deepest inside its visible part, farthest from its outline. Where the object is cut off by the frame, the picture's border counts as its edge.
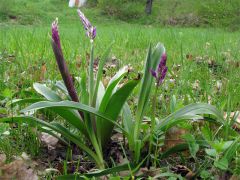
(193, 13)
(203, 62)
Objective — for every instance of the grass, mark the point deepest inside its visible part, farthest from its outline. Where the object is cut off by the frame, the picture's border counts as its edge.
(30, 47)
(200, 57)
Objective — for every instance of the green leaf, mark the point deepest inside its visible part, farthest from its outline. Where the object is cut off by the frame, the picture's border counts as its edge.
(46, 92)
(61, 86)
(205, 174)
(232, 149)
(102, 62)
(152, 60)
(192, 144)
(176, 149)
(221, 164)
(128, 122)
(8, 93)
(114, 108)
(190, 112)
(173, 103)
(211, 152)
(100, 94)
(97, 173)
(71, 116)
(59, 106)
(207, 133)
(24, 101)
(228, 155)
(112, 85)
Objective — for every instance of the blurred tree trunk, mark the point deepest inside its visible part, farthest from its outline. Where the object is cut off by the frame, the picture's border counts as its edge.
(148, 8)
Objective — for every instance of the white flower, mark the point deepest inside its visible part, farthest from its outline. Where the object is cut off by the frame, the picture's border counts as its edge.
(78, 3)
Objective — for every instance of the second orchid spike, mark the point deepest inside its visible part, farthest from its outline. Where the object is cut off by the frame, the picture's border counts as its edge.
(91, 31)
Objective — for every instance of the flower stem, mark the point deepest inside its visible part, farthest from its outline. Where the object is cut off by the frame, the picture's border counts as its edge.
(153, 122)
(91, 74)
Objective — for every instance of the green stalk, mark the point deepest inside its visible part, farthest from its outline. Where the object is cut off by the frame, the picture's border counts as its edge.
(153, 123)
(93, 139)
(91, 74)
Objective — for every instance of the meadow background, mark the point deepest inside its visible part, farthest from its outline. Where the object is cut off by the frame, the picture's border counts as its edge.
(203, 32)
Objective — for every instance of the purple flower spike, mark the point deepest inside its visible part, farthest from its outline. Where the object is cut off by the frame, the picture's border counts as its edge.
(86, 23)
(163, 62)
(161, 71)
(62, 66)
(91, 31)
(55, 34)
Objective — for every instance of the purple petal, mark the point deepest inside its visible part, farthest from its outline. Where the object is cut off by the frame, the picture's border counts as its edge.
(90, 30)
(163, 75)
(86, 23)
(162, 63)
(94, 32)
(154, 73)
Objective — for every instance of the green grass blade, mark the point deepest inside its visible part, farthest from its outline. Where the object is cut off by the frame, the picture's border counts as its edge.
(55, 127)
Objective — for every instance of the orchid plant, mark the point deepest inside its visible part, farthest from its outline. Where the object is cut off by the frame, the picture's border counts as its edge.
(95, 113)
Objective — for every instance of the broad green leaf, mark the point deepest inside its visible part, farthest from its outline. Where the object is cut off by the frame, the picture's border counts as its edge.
(190, 112)
(72, 117)
(61, 86)
(102, 62)
(7, 93)
(211, 152)
(112, 85)
(114, 108)
(221, 164)
(128, 122)
(69, 105)
(100, 94)
(46, 92)
(24, 101)
(152, 60)
(232, 149)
